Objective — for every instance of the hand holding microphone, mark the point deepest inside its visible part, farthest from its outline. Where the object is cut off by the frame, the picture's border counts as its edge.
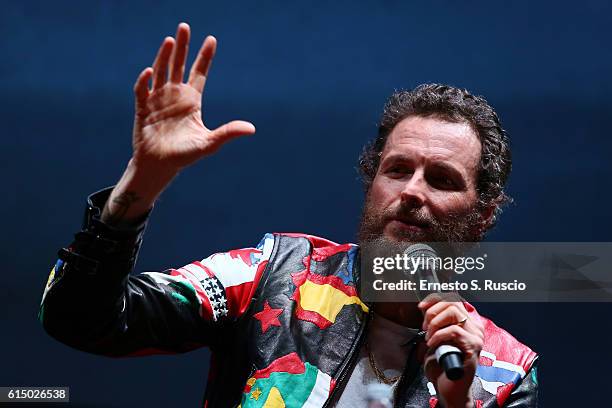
(454, 340)
(445, 325)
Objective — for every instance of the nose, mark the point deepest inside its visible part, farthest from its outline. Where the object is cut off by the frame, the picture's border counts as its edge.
(413, 193)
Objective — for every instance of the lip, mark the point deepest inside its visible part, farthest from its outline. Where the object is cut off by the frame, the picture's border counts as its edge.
(409, 224)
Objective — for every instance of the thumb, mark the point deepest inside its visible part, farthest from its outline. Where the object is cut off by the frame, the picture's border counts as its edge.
(225, 133)
(431, 367)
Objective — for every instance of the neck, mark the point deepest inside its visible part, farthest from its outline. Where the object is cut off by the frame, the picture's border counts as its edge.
(404, 313)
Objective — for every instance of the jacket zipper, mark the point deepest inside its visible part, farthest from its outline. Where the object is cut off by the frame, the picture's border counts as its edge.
(349, 363)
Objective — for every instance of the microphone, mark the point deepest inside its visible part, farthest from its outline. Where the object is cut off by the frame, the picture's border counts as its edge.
(449, 357)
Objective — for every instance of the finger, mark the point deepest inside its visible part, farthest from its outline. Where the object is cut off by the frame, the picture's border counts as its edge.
(429, 301)
(434, 298)
(450, 315)
(435, 309)
(199, 70)
(467, 342)
(229, 131)
(177, 63)
(141, 87)
(160, 67)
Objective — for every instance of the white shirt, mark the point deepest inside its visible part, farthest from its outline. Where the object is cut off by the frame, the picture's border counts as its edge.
(385, 339)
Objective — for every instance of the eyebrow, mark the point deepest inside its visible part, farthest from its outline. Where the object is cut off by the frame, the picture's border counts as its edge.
(395, 158)
(453, 171)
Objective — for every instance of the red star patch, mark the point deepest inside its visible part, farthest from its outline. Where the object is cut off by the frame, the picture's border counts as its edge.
(268, 317)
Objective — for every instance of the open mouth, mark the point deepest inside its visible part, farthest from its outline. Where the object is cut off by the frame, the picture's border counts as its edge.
(410, 223)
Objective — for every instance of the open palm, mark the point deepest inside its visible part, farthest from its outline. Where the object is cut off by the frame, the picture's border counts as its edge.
(168, 127)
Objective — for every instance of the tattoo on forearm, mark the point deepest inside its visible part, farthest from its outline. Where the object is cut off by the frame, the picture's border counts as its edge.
(120, 206)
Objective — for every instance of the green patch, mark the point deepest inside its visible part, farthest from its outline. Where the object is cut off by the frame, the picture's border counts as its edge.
(180, 298)
(41, 313)
(292, 389)
(185, 293)
(534, 375)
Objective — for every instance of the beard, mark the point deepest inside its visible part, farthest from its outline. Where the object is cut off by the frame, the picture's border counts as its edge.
(453, 228)
(451, 236)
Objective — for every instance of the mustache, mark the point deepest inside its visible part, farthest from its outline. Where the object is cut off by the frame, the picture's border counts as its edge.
(410, 215)
(453, 227)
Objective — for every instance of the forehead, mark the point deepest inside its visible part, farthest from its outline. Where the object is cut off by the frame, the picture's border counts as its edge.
(434, 139)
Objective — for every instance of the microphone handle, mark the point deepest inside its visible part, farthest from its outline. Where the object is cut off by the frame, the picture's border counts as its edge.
(450, 359)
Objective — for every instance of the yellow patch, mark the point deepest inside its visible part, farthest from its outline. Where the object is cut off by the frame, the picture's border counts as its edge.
(326, 300)
(274, 400)
(255, 394)
(251, 381)
(51, 277)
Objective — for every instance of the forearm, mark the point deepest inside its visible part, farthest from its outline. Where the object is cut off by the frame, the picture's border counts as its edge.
(91, 303)
(85, 291)
(135, 193)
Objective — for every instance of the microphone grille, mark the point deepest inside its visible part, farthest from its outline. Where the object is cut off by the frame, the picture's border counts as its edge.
(420, 250)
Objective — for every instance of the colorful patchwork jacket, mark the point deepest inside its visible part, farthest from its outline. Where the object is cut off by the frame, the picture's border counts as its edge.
(283, 320)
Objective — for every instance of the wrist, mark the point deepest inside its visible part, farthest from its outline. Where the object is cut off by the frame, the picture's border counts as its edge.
(135, 193)
(152, 177)
(145, 181)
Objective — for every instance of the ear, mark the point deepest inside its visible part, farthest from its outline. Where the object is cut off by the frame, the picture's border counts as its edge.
(487, 215)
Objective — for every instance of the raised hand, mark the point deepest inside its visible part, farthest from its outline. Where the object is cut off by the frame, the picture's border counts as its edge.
(168, 130)
(168, 127)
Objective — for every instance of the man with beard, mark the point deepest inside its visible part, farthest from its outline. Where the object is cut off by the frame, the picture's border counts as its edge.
(284, 320)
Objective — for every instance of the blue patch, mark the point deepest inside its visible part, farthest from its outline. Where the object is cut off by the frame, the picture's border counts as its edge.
(260, 246)
(497, 374)
(256, 258)
(346, 274)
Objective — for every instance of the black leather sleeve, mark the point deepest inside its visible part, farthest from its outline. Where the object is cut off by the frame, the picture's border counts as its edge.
(526, 393)
(92, 303)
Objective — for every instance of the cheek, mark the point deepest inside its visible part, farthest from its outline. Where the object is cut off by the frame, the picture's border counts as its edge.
(452, 202)
(383, 192)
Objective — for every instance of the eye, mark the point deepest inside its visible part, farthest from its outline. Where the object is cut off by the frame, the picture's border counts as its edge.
(399, 170)
(442, 182)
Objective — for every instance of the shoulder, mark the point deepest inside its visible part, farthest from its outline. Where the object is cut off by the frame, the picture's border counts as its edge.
(319, 247)
(502, 348)
(317, 242)
(320, 257)
(504, 360)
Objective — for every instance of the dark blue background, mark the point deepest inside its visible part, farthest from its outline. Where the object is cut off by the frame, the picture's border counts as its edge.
(313, 79)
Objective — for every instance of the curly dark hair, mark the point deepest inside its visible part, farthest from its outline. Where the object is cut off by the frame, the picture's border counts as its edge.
(454, 105)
